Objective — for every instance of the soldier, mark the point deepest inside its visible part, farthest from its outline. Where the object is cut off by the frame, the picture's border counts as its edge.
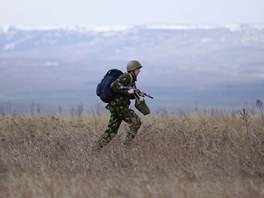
(119, 107)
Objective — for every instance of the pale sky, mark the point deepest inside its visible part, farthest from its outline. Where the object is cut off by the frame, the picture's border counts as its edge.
(129, 12)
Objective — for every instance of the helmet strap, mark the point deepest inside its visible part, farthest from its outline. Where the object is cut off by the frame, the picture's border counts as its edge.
(133, 74)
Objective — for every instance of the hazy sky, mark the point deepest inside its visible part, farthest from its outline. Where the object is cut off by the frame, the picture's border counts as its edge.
(129, 12)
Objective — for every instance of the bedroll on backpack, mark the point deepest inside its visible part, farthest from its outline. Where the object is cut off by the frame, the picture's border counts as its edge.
(103, 89)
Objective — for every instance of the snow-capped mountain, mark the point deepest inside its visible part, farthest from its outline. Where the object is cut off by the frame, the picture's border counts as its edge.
(198, 58)
(25, 40)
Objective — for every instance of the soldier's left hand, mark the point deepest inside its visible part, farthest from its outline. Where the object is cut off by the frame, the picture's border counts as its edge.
(142, 93)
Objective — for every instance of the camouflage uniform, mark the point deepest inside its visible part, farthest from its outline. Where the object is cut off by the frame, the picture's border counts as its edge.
(119, 108)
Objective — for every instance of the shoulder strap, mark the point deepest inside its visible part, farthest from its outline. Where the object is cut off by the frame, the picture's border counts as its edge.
(131, 80)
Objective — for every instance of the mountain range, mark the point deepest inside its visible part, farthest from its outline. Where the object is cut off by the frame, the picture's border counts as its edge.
(212, 66)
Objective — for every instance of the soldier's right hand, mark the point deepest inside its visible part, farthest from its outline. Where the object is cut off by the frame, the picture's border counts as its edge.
(131, 91)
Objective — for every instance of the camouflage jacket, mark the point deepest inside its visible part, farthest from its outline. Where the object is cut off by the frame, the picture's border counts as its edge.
(122, 98)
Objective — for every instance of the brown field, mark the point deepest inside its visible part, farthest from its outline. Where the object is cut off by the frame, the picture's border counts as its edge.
(200, 154)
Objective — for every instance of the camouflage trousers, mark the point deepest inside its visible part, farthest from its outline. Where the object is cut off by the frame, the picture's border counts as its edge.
(127, 115)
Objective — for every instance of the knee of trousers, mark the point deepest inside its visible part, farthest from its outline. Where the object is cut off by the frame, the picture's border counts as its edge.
(137, 123)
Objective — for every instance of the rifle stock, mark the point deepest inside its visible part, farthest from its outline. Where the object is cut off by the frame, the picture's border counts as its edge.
(136, 90)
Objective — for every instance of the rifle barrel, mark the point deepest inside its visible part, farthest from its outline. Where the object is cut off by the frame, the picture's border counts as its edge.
(148, 96)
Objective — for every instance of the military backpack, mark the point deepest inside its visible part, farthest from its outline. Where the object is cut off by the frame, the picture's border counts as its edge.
(103, 89)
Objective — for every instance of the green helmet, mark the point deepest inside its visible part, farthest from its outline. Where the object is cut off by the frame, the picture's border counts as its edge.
(132, 65)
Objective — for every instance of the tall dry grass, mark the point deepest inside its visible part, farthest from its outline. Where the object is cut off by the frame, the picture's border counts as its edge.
(201, 154)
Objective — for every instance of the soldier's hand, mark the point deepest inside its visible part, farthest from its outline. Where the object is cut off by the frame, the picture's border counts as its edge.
(131, 91)
(141, 93)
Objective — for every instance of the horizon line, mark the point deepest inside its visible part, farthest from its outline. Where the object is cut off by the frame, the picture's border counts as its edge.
(103, 28)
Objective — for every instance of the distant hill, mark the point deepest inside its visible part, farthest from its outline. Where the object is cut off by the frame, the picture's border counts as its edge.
(53, 65)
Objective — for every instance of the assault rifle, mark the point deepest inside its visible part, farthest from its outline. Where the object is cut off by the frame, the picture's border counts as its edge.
(136, 90)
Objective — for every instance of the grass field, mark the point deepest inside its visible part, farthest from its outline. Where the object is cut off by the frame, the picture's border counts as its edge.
(199, 154)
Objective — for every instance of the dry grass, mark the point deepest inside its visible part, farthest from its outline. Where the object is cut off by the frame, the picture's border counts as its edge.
(193, 155)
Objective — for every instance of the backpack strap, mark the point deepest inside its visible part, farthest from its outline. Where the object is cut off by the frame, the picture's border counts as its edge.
(131, 84)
